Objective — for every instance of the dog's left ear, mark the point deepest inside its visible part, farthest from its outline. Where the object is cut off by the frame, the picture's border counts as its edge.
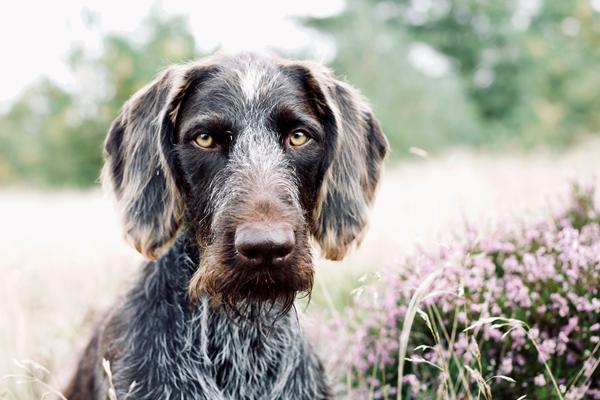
(356, 147)
(140, 165)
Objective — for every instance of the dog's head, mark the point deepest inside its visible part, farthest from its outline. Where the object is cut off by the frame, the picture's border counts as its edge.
(253, 155)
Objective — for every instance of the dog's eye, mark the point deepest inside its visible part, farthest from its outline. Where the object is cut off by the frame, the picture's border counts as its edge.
(298, 138)
(204, 140)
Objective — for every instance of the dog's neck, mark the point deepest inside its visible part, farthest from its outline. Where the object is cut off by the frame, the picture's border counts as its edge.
(235, 357)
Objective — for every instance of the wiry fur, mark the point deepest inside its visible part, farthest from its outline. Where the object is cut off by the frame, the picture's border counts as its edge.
(135, 171)
(257, 170)
(172, 350)
(204, 321)
(351, 181)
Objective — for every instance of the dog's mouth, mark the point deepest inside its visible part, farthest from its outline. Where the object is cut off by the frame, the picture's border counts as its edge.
(267, 267)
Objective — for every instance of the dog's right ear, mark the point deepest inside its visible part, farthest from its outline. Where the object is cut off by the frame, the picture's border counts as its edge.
(139, 161)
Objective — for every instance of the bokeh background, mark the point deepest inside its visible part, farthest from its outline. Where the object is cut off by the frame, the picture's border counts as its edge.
(491, 108)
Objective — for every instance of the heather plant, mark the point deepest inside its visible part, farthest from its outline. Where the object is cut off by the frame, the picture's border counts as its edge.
(511, 316)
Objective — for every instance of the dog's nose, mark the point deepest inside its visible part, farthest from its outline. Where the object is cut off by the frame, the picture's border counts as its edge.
(262, 242)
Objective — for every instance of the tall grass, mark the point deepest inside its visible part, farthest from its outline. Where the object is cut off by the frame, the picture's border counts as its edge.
(31, 380)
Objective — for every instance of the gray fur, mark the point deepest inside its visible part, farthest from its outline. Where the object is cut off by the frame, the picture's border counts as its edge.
(257, 164)
(261, 358)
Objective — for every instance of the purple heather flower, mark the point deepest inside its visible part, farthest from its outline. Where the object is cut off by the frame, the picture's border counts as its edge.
(547, 275)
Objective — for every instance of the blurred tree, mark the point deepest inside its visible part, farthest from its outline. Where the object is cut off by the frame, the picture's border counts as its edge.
(527, 68)
(563, 49)
(415, 109)
(438, 72)
(52, 136)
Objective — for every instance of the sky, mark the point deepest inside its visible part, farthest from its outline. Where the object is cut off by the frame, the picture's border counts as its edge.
(35, 36)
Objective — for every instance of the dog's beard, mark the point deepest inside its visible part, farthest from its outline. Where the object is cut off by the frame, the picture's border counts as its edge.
(251, 291)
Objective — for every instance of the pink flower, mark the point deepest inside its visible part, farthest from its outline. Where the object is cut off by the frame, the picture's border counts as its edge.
(540, 380)
(413, 382)
(506, 366)
(547, 348)
(576, 393)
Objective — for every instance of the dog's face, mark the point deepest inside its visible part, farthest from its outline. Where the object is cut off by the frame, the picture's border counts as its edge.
(253, 155)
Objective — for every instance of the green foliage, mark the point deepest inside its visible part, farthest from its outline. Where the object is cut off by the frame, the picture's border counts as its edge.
(414, 109)
(54, 137)
(519, 74)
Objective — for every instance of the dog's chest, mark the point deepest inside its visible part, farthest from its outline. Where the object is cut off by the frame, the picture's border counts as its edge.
(209, 356)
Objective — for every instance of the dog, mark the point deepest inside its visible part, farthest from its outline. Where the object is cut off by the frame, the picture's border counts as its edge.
(224, 171)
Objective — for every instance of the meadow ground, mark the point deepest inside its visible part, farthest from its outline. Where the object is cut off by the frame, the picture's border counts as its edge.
(62, 259)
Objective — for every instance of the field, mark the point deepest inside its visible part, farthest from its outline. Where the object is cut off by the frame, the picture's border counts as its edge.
(62, 259)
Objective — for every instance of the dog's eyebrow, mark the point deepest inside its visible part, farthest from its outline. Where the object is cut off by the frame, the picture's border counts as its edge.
(212, 122)
(288, 119)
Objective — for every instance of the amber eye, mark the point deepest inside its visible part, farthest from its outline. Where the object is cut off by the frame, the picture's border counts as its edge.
(204, 140)
(298, 138)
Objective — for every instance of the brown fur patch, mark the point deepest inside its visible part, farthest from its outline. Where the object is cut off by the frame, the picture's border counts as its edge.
(227, 279)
